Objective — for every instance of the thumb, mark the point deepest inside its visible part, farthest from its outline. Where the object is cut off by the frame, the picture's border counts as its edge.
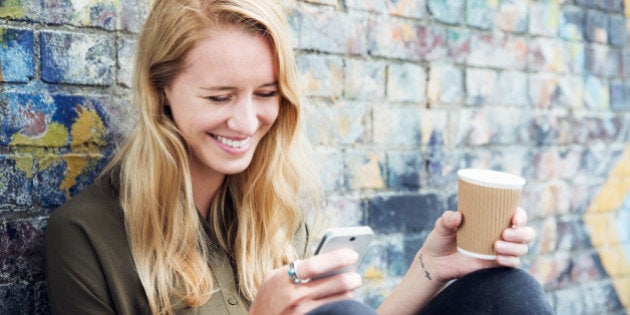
(448, 223)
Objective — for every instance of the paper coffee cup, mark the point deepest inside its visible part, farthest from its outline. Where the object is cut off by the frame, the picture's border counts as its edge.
(487, 201)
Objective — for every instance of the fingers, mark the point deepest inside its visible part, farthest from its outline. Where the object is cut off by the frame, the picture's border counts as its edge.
(326, 262)
(519, 218)
(524, 234)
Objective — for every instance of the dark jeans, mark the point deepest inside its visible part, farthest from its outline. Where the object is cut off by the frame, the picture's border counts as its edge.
(489, 291)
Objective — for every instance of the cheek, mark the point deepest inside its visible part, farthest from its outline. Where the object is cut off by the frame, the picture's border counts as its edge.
(270, 114)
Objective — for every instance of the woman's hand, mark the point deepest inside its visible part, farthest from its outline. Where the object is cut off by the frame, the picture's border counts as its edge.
(440, 258)
(280, 295)
(438, 261)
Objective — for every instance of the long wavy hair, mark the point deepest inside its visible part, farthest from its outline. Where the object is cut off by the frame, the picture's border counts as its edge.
(167, 241)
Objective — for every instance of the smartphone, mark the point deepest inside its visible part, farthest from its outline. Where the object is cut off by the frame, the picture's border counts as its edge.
(355, 237)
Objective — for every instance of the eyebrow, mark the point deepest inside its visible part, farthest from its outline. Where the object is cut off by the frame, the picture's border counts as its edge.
(228, 88)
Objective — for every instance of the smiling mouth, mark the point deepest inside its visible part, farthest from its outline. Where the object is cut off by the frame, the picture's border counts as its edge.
(235, 144)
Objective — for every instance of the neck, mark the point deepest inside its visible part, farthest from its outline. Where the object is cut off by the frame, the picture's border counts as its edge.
(205, 186)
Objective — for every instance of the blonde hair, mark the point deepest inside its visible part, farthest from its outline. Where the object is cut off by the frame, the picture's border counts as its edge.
(167, 241)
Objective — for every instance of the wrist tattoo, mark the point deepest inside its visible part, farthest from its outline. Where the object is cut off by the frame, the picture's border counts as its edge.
(427, 274)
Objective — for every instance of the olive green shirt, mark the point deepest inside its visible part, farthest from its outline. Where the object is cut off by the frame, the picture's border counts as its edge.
(90, 269)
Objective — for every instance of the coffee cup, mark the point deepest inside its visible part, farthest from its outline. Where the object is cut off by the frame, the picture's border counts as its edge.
(487, 200)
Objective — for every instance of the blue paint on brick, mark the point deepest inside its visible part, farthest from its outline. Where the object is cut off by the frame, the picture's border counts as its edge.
(16, 113)
(16, 55)
(46, 185)
(52, 70)
(404, 213)
(16, 188)
(77, 58)
(617, 31)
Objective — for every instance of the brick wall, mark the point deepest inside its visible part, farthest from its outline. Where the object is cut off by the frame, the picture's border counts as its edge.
(401, 94)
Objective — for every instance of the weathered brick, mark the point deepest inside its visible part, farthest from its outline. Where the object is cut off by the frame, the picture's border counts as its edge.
(77, 58)
(619, 94)
(15, 298)
(549, 55)
(445, 84)
(327, 30)
(342, 211)
(406, 83)
(548, 90)
(327, 2)
(513, 16)
(364, 80)
(407, 8)
(124, 62)
(16, 187)
(481, 13)
(617, 30)
(321, 75)
(572, 23)
(511, 89)
(613, 6)
(410, 213)
(596, 27)
(367, 5)
(596, 94)
(397, 125)
(458, 42)
(602, 61)
(102, 14)
(404, 169)
(480, 85)
(16, 55)
(22, 250)
(625, 63)
(131, 15)
(544, 18)
(596, 298)
(576, 52)
(498, 51)
(446, 11)
(506, 125)
(345, 122)
(364, 169)
(401, 39)
(330, 162)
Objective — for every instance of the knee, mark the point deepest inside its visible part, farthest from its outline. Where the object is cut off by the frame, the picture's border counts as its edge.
(345, 307)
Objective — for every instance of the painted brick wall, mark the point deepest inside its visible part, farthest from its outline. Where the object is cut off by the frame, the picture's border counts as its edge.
(401, 93)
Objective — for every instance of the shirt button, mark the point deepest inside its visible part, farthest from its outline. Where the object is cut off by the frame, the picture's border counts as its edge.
(232, 301)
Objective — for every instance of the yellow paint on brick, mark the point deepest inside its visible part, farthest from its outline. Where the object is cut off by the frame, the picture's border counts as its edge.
(627, 7)
(13, 8)
(373, 274)
(600, 221)
(55, 136)
(622, 285)
(615, 261)
(75, 164)
(602, 228)
(25, 164)
(88, 132)
(369, 174)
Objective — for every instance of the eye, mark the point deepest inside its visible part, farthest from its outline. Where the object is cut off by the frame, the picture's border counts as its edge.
(219, 99)
(267, 93)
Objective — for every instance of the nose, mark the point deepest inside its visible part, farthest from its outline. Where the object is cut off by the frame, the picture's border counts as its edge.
(244, 118)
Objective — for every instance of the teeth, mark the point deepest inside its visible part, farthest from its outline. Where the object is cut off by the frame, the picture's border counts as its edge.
(233, 143)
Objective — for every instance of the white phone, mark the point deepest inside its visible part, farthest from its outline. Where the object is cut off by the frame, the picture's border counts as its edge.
(357, 238)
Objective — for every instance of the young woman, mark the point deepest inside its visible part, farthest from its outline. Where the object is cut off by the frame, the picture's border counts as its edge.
(201, 210)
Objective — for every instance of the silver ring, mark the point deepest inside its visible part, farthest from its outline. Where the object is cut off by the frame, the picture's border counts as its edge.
(293, 273)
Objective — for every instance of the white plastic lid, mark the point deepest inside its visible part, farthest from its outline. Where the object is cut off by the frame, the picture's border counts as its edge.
(489, 178)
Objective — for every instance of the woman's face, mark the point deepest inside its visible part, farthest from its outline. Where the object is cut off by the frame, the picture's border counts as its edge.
(225, 100)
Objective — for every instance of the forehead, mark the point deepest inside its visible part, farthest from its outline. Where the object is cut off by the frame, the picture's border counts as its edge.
(232, 52)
